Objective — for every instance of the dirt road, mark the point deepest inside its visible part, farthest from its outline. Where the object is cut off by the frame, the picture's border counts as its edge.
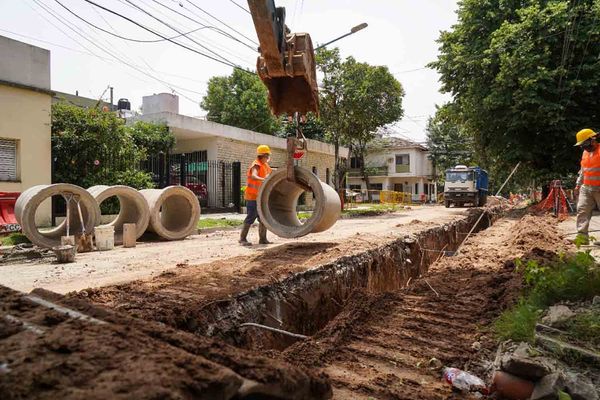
(382, 346)
(150, 259)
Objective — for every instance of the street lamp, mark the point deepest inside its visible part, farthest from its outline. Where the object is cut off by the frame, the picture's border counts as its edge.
(355, 29)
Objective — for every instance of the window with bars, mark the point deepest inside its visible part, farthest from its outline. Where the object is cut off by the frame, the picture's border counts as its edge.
(8, 160)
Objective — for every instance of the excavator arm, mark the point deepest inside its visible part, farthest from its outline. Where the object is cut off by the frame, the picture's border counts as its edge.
(286, 63)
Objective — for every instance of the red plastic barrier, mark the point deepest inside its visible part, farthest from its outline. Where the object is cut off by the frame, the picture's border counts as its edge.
(8, 222)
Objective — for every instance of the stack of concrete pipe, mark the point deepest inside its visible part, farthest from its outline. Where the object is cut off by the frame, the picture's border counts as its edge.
(278, 199)
(172, 212)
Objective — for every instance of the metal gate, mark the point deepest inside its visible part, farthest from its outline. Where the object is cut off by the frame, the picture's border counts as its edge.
(216, 184)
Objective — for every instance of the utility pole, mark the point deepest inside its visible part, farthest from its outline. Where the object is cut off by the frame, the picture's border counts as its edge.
(111, 98)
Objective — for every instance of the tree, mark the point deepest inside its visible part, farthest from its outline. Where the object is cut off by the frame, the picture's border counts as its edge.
(152, 137)
(240, 100)
(92, 147)
(330, 96)
(524, 76)
(355, 100)
(448, 141)
(372, 99)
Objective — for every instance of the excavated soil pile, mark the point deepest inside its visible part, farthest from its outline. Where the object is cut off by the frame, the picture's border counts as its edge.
(46, 354)
(391, 345)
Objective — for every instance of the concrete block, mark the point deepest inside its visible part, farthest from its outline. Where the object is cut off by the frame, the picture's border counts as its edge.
(524, 364)
(129, 235)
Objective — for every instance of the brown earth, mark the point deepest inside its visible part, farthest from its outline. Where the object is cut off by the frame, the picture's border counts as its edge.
(176, 295)
(382, 346)
(45, 354)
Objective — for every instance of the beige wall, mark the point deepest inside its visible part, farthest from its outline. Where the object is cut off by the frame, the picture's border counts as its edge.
(245, 153)
(25, 116)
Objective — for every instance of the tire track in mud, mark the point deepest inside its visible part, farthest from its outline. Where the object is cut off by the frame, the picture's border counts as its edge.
(381, 346)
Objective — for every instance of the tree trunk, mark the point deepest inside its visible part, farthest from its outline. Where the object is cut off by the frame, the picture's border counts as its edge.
(336, 170)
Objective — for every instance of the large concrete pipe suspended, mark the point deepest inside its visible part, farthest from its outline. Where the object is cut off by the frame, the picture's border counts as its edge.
(133, 208)
(278, 198)
(29, 201)
(174, 212)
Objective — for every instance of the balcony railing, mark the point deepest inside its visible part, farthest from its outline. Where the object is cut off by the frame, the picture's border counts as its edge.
(402, 168)
(371, 171)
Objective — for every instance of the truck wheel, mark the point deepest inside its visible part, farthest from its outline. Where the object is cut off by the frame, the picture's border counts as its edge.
(447, 204)
(482, 200)
(476, 201)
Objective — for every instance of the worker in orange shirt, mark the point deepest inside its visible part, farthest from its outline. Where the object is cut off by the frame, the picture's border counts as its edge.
(588, 182)
(257, 173)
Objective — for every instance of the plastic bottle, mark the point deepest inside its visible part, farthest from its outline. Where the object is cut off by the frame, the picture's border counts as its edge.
(464, 381)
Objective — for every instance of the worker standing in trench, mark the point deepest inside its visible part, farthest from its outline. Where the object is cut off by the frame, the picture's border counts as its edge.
(257, 173)
(588, 181)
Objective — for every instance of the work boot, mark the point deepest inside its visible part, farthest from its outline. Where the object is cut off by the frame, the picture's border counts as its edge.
(244, 235)
(262, 234)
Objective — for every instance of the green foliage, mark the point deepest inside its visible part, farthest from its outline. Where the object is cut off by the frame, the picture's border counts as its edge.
(575, 277)
(585, 327)
(518, 323)
(153, 137)
(14, 239)
(206, 223)
(314, 128)
(93, 147)
(448, 141)
(356, 99)
(240, 100)
(524, 77)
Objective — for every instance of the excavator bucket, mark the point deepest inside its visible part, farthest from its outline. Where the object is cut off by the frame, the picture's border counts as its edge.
(296, 90)
(286, 63)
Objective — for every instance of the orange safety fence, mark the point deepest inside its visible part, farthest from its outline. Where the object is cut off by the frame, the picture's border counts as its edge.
(556, 202)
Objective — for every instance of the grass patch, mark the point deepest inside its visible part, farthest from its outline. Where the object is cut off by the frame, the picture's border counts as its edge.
(585, 327)
(206, 223)
(574, 278)
(372, 210)
(14, 239)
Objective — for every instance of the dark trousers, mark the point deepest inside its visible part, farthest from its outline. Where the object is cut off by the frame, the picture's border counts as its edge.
(252, 210)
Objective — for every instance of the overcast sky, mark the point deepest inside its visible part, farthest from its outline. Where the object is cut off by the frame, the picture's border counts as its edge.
(401, 35)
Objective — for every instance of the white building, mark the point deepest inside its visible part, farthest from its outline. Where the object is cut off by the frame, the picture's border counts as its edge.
(395, 164)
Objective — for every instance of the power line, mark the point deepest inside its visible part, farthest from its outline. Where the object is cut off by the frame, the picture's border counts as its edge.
(209, 27)
(239, 6)
(217, 19)
(123, 37)
(214, 28)
(176, 30)
(164, 37)
(170, 86)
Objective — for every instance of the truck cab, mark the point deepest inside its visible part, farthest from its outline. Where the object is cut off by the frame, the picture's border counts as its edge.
(465, 185)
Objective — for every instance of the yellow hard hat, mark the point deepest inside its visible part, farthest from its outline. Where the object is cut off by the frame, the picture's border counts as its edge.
(584, 135)
(263, 149)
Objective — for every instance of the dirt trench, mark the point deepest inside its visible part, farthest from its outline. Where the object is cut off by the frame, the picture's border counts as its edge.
(301, 302)
(382, 346)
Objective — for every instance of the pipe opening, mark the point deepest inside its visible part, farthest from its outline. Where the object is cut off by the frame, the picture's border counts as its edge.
(175, 213)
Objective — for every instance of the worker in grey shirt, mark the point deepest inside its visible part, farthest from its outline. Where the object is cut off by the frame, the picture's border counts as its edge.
(588, 181)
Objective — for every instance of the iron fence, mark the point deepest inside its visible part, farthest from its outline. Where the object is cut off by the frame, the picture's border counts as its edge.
(215, 183)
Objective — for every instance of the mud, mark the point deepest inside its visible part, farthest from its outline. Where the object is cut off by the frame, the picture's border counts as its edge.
(278, 289)
(383, 345)
(45, 354)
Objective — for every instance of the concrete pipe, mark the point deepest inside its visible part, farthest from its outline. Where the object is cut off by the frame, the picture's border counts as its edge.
(278, 198)
(29, 201)
(174, 212)
(133, 208)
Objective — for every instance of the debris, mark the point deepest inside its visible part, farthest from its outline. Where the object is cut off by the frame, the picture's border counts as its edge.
(431, 287)
(522, 364)
(511, 387)
(580, 387)
(563, 348)
(268, 328)
(464, 381)
(557, 315)
(547, 388)
(434, 363)
(476, 346)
